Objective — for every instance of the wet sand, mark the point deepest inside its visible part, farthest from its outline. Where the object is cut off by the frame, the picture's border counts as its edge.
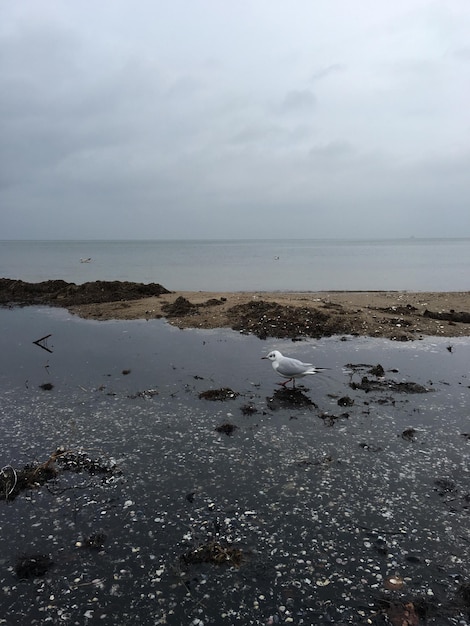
(395, 315)
(398, 315)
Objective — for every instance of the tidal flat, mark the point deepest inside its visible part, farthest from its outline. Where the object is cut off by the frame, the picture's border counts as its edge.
(344, 502)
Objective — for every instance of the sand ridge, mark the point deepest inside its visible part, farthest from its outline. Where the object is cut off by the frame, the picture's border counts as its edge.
(396, 315)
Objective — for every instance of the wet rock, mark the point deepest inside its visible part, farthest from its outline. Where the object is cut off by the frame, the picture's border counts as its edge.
(46, 386)
(226, 428)
(225, 393)
(345, 401)
(409, 434)
(378, 371)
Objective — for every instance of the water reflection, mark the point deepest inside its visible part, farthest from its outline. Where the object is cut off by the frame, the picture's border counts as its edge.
(338, 514)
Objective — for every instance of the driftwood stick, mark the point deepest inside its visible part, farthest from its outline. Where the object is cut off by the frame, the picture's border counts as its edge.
(38, 342)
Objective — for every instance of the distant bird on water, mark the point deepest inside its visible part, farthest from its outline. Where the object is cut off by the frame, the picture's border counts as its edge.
(290, 368)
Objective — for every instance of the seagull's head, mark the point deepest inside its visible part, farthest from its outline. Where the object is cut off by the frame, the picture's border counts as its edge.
(273, 356)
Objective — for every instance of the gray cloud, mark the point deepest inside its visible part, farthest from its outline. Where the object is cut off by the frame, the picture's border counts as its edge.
(180, 121)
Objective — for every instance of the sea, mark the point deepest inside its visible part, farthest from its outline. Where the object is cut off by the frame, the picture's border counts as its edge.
(248, 265)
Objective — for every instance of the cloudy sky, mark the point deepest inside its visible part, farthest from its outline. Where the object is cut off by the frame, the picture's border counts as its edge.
(234, 119)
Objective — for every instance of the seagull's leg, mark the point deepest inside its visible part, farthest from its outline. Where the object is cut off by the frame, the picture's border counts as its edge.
(285, 382)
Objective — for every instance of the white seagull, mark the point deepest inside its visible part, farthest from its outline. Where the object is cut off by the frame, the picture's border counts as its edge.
(290, 368)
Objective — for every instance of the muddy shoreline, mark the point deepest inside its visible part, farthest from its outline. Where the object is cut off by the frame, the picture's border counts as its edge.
(401, 316)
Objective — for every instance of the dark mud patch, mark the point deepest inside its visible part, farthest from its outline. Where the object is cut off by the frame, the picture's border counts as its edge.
(289, 399)
(179, 308)
(46, 386)
(182, 307)
(214, 395)
(451, 316)
(61, 293)
(215, 553)
(269, 319)
(380, 383)
(226, 428)
(368, 385)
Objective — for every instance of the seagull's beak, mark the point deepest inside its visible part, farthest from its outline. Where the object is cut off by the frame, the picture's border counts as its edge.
(264, 357)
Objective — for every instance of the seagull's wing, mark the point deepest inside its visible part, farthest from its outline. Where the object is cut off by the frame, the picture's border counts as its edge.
(292, 367)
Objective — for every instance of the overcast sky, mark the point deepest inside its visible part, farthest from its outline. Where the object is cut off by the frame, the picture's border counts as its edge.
(234, 119)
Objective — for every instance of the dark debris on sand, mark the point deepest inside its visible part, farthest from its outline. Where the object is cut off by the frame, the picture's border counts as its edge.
(61, 293)
(287, 398)
(225, 393)
(368, 385)
(182, 306)
(33, 475)
(269, 319)
(215, 553)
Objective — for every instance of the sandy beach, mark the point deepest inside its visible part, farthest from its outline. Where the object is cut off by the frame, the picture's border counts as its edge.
(397, 315)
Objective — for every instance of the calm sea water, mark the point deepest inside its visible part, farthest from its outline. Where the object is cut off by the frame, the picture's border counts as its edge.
(252, 265)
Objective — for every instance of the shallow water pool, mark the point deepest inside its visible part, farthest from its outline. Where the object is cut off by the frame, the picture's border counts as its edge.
(344, 500)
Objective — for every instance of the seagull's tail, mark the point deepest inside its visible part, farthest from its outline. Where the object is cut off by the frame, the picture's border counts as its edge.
(315, 370)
